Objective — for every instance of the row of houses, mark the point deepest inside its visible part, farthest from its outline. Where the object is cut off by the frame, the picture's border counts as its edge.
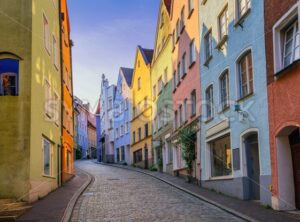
(228, 71)
(36, 97)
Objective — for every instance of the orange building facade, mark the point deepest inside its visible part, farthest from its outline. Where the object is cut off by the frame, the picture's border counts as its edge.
(67, 95)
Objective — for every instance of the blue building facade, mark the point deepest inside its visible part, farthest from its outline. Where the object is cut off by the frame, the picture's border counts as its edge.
(235, 157)
(122, 116)
(82, 132)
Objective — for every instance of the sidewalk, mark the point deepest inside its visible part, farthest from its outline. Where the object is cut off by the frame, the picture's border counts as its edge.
(247, 210)
(58, 205)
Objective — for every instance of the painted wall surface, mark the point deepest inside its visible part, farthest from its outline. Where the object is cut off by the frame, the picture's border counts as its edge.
(92, 136)
(142, 114)
(161, 68)
(67, 95)
(15, 111)
(98, 128)
(122, 116)
(189, 82)
(249, 35)
(44, 69)
(284, 116)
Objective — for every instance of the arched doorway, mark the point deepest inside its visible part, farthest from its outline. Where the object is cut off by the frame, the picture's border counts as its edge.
(288, 165)
(253, 167)
(294, 139)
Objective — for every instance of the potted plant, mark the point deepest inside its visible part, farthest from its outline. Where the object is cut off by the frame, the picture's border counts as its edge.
(187, 138)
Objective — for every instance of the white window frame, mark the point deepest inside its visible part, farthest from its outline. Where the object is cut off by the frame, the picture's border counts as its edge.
(48, 97)
(191, 6)
(224, 12)
(55, 52)
(208, 45)
(192, 52)
(224, 104)
(238, 62)
(46, 32)
(283, 22)
(209, 91)
(239, 14)
(44, 140)
(16, 83)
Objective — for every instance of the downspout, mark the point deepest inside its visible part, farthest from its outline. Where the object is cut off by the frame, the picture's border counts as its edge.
(62, 90)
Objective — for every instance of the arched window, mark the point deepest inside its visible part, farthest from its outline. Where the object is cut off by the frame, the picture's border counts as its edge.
(9, 77)
(224, 89)
(245, 74)
(209, 102)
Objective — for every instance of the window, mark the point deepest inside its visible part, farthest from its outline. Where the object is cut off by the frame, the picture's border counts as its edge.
(139, 83)
(146, 130)
(140, 134)
(166, 76)
(133, 137)
(192, 52)
(245, 75)
(138, 156)
(185, 114)
(117, 133)
(193, 103)
(242, 7)
(55, 52)
(146, 103)
(162, 19)
(190, 5)
(46, 34)
(178, 73)
(209, 102)
(56, 109)
(177, 30)
(165, 115)
(220, 153)
(154, 91)
(175, 119)
(286, 39)
(160, 85)
(110, 124)
(122, 153)
(48, 157)
(182, 20)
(174, 80)
(173, 39)
(223, 24)
(127, 127)
(154, 125)
(180, 115)
(110, 103)
(291, 48)
(122, 130)
(208, 45)
(126, 104)
(183, 64)
(224, 90)
(9, 73)
(48, 98)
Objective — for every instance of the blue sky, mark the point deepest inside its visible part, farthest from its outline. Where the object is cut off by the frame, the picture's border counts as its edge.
(105, 35)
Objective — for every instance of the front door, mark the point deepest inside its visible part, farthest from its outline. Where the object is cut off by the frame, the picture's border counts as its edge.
(252, 152)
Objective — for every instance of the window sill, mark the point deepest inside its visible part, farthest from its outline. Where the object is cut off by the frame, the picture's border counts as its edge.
(286, 69)
(178, 84)
(224, 109)
(207, 61)
(183, 76)
(209, 120)
(220, 178)
(47, 176)
(245, 97)
(240, 21)
(222, 42)
(177, 40)
(192, 64)
(190, 13)
(193, 115)
(174, 90)
(173, 48)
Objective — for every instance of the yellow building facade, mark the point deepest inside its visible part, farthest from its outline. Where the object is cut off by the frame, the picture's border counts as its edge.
(161, 84)
(31, 125)
(141, 113)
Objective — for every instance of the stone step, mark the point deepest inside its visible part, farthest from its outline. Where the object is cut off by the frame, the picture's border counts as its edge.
(11, 209)
(12, 205)
(5, 201)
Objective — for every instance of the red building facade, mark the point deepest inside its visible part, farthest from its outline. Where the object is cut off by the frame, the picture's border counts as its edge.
(283, 75)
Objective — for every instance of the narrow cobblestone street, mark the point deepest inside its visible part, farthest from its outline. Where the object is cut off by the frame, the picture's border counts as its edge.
(122, 195)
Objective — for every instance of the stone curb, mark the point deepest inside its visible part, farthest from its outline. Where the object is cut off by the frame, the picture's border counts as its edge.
(221, 206)
(69, 209)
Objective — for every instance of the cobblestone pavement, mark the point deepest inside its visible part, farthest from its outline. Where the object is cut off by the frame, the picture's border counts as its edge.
(122, 195)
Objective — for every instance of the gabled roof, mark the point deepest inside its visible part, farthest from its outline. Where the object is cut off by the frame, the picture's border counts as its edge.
(168, 5)
(147, 54)
(128, 73)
